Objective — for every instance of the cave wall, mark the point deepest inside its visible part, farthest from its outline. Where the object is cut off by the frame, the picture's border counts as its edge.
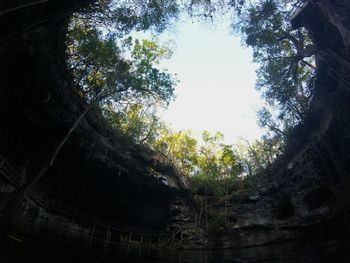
(307, 191)
(97, 172)
(305, 195)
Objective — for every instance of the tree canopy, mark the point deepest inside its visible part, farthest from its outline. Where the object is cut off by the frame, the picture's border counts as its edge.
(122, 76)
(286, 57)
(101, 65)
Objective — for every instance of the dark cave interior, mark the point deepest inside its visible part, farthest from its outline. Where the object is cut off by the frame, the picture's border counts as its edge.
(100, 183)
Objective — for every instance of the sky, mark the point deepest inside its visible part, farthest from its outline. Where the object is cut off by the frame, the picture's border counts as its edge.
(217, 79)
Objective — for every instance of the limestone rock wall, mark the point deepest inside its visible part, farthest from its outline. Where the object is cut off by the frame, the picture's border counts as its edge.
(305, 195)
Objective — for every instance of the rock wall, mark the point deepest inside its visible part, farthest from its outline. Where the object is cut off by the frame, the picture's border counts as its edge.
(304, 197)
(97, 172)
(304, 194)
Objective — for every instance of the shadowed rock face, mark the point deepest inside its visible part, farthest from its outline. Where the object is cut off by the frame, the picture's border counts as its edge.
(96, 172)
(303, 194)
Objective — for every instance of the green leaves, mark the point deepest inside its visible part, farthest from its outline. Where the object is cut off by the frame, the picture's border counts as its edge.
(127, 15)
(180, 147)
(121, 75)
(286, 82)
(146, 55)
(95, 60)
(137, 122)
(100, 65)
(259, 155)
(210, 163)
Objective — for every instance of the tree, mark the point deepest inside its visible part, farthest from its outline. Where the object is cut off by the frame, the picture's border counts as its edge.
(126, 15)
(230, 167)
(259, 155)
(105, 76)
(211, 167)
(180, 147)
(138, 123)
(266, 119)
(286, 57)
(101, 68)
(208, 170)
(208, 160)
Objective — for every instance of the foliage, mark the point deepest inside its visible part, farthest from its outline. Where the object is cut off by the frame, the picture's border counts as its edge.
(101, 66)
(259, 155)
(210, 164)
(285, 56)
(126, 15)
(124, 76)
(230, 162)
(138, 123)
(180, 147)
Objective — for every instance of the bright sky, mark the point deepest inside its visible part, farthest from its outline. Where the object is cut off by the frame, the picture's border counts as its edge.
(217, 78)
